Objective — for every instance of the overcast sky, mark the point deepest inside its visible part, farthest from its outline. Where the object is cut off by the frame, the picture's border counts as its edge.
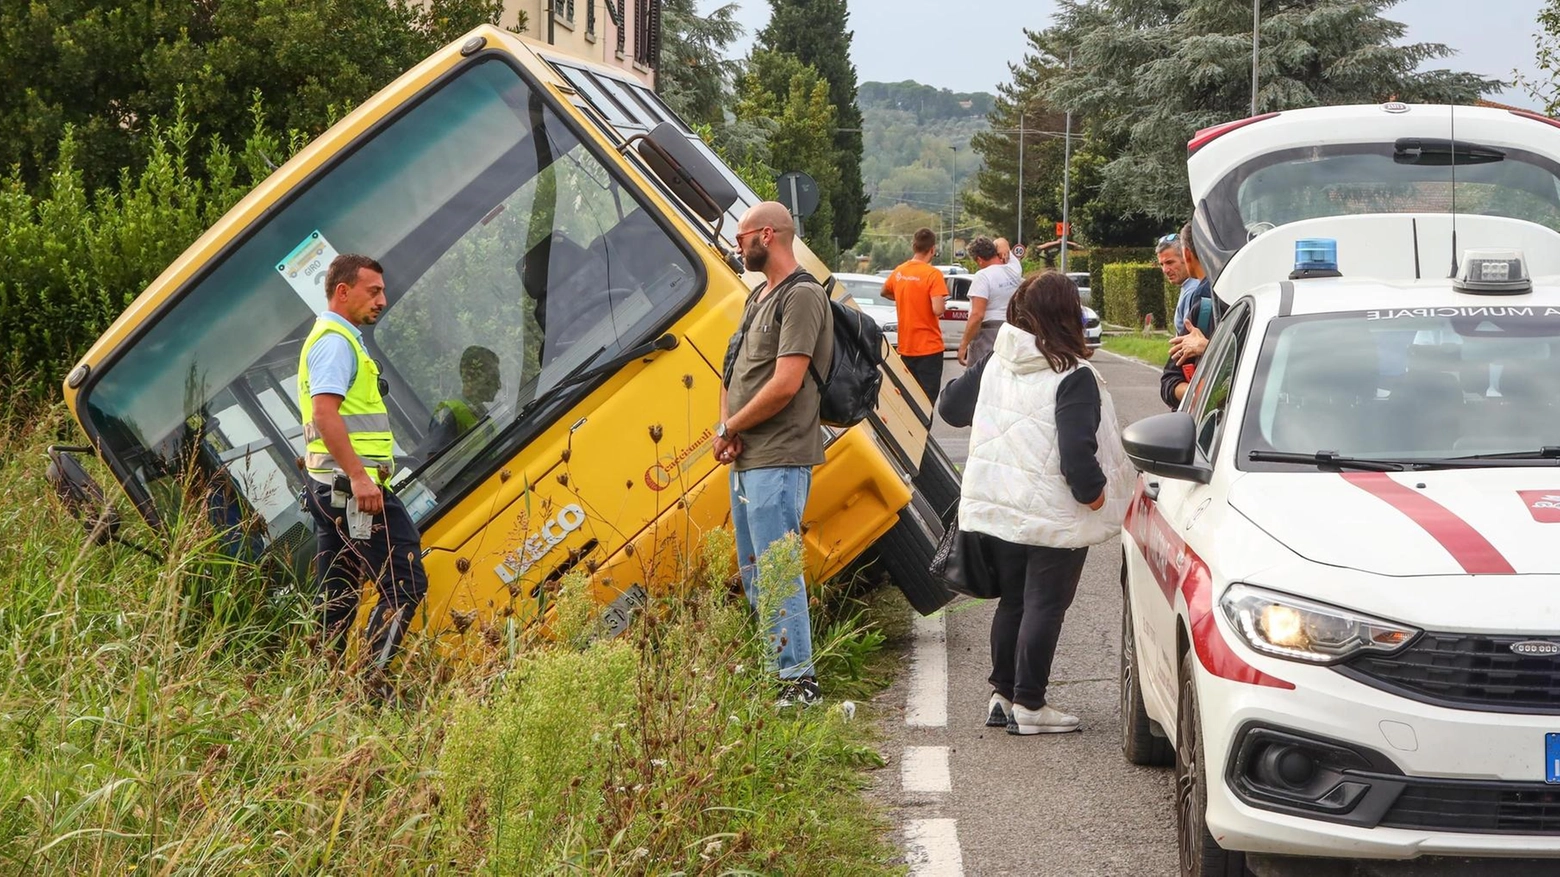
(944, 44)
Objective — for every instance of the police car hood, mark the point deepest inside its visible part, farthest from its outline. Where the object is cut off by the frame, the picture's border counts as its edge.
(1448, 522)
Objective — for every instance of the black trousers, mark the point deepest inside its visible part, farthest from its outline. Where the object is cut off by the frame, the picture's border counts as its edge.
(391, 557)
(1038, 585)
(927, 371)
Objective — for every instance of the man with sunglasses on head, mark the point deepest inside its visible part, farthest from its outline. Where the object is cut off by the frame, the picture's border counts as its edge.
(363, 530)
(770, 432)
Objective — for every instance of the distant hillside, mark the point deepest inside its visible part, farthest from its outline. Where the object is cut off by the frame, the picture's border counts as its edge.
(908, 128)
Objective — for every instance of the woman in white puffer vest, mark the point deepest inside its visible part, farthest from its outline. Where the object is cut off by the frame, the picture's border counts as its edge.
(1045, 479)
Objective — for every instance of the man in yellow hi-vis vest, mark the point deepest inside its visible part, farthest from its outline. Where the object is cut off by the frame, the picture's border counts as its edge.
(350, 457)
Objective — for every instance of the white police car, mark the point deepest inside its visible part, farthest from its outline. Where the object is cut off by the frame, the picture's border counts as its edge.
(1342, 613)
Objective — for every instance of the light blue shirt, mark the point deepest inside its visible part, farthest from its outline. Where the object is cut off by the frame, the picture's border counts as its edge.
(332, 362)
(1188, 287)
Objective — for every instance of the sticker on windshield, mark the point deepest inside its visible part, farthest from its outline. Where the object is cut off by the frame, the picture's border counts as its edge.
(304, 269)
(1487, 311)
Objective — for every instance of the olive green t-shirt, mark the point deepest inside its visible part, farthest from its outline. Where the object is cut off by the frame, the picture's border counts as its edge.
(793, 319)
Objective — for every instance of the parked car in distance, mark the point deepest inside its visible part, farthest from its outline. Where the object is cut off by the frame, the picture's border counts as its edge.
(867, 290)
(1081, 278)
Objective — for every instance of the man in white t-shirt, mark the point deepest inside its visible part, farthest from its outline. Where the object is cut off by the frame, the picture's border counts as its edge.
(993, 285)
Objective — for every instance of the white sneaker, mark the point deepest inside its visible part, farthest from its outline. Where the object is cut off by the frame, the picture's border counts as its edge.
(1045, 720)
(998, 711)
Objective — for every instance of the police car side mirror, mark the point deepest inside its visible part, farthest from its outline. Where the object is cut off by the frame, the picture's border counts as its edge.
(1166, 445)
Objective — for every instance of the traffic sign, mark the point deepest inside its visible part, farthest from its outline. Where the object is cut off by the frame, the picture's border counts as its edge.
(1061, 229)
(1019, 251)
(799, 193)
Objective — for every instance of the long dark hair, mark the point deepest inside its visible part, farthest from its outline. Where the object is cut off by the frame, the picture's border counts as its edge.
(1046, 305)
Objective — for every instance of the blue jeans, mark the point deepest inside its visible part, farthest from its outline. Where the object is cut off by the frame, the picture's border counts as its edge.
(766, 504)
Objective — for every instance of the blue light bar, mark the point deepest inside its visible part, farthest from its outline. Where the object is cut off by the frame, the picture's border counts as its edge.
(1316, 254)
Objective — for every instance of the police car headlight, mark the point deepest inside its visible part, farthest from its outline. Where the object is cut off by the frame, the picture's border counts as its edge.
(1298, 629)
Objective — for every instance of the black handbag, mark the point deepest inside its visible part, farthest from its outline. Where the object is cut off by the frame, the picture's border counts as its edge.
(963, 565)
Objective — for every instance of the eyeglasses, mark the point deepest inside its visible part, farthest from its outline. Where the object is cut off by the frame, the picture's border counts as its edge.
(1168, 239)
(742, 234)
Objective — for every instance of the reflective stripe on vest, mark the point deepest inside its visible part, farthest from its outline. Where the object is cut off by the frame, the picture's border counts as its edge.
(362, 410)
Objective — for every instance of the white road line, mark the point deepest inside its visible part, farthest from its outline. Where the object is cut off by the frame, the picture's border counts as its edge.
(928, 703)
(925, 769)
(1133, 360)
(932, 848)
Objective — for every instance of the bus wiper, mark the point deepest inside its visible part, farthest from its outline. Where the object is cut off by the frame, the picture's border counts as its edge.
(580, 373)
(1327, 458)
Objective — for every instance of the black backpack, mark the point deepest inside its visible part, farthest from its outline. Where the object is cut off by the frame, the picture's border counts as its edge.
(850, 391)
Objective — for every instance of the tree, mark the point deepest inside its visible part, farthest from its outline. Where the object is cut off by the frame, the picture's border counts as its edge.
(814, 31)
(1023, 103)
(791, 102)
(1542, 87)
(105, 68)
(694, 76)
(1146, 76)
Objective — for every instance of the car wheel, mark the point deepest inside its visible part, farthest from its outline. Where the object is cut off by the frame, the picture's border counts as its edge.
(1201, 855)
(1138, 742)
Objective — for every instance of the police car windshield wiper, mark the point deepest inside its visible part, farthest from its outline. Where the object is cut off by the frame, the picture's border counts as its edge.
(1547, 452)
(1327, 458)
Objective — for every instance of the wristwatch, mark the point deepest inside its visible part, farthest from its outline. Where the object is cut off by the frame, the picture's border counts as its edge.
(720, 430)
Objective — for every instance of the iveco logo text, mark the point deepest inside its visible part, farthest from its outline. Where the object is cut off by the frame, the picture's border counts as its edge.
(516, 562)
(1536, 647)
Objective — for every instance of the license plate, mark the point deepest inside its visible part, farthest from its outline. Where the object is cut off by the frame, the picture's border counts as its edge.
(1552, 758)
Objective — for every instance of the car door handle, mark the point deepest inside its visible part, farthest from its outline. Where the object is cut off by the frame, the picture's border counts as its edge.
(1151, 489)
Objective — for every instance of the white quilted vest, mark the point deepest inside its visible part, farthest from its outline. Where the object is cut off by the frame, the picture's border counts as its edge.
(1013, 486)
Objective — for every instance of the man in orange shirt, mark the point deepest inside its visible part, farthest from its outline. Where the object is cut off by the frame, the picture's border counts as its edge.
(919, 293)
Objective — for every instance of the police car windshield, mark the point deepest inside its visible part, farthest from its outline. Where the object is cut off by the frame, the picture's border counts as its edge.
(512, 254)
(1344, 179)
(1413, 384)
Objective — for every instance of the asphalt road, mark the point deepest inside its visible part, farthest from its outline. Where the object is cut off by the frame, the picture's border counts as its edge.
(1066, 804)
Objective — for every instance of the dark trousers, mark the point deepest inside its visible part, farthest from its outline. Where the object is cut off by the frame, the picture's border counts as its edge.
(391, 557)
(1038, 584)
(927, 371)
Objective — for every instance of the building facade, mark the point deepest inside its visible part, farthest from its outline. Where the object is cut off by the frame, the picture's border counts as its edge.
(617, 33)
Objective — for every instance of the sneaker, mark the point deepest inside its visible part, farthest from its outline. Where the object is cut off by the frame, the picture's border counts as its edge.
(799, 692)
(1045, 720)
(998, 710)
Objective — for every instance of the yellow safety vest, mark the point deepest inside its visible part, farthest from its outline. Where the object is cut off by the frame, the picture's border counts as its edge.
(464, 417)
(363, 409)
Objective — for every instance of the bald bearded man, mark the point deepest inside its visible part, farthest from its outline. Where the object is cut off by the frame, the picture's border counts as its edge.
(769, 430)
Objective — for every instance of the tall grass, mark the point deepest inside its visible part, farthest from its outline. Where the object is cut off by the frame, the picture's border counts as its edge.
(172, 717)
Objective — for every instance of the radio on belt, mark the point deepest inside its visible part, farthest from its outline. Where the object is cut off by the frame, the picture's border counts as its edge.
(1493, 272)
(359, 524)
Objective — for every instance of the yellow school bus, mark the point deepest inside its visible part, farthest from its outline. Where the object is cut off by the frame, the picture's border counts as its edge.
(557, 215)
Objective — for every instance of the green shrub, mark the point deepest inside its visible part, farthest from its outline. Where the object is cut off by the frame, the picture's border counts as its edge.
(74, 260)
(1133, 289)
(1099, 257)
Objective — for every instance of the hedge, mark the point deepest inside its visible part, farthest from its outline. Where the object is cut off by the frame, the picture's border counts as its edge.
(1099, 257)
(1133, 289)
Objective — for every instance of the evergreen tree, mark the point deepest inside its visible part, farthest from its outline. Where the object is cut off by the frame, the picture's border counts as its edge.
(1146, 76)
(1023, 103)
(815, 32)
(694, 76)
(789, 100)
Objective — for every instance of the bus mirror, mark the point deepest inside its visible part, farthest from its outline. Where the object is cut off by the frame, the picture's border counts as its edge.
(691, 177)
(80, 494)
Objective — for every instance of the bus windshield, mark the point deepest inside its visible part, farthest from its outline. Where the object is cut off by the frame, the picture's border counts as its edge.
(513, 255)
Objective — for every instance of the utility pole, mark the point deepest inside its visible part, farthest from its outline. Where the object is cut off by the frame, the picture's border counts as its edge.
(1256, 23)
(1066, 173)
(1018, 239)
(953, 202)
